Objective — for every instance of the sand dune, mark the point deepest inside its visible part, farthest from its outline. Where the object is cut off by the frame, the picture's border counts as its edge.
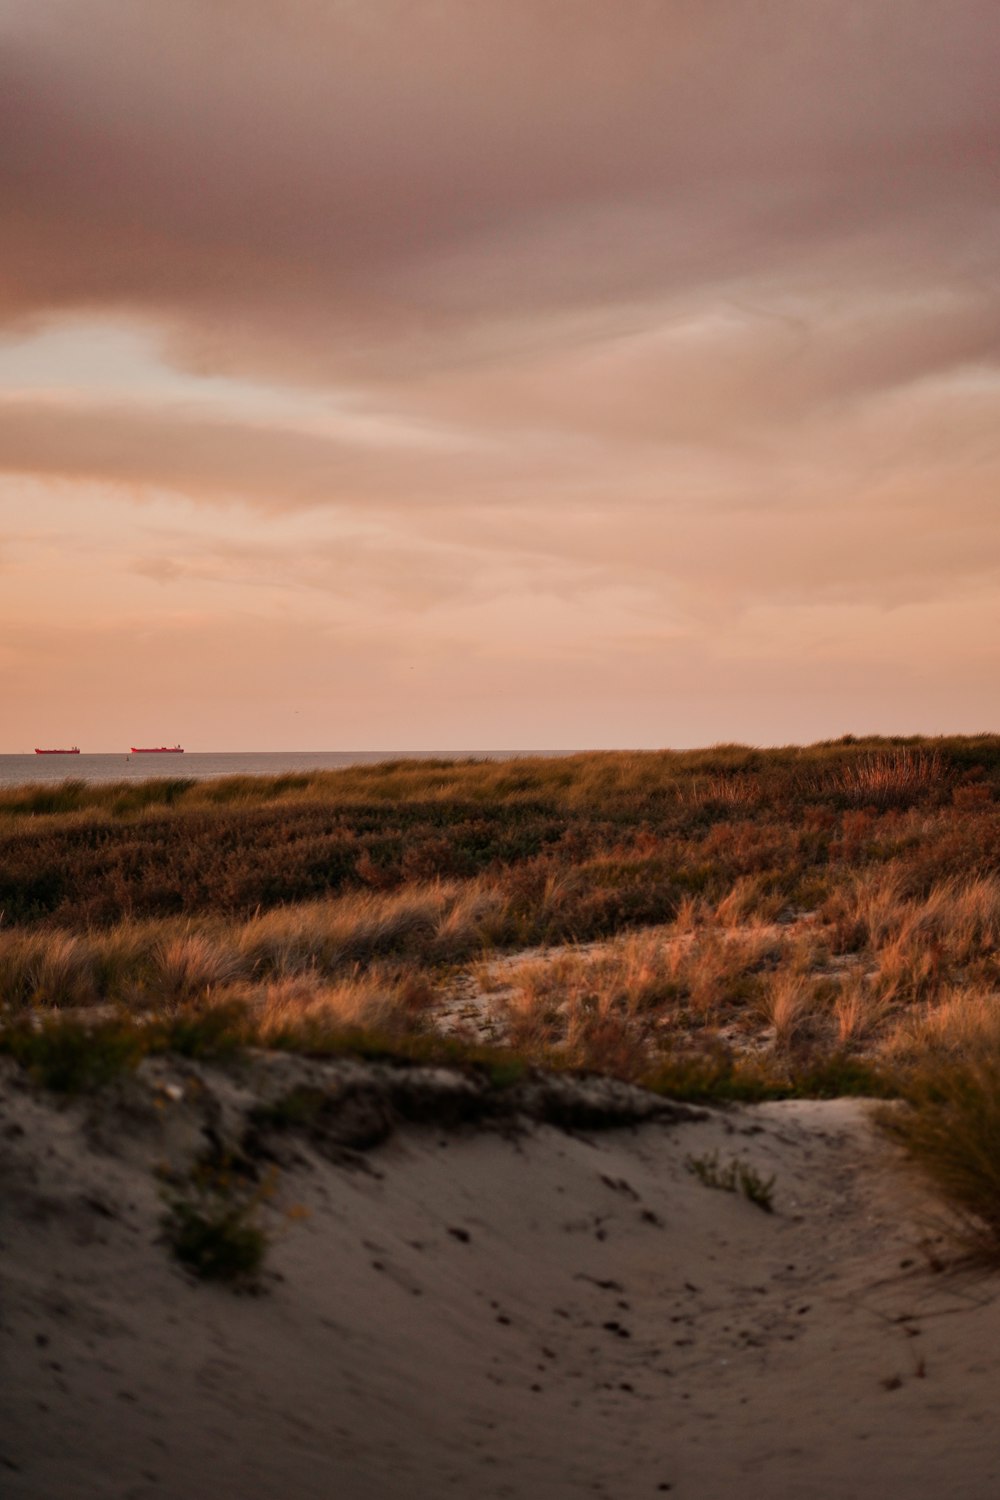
(502, 1307)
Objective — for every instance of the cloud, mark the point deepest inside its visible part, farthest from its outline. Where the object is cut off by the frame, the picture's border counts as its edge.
(317, 189)
(843, 503)
(215, 457)
(544, 340)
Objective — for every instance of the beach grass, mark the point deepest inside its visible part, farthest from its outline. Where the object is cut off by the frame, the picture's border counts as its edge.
(722, 924)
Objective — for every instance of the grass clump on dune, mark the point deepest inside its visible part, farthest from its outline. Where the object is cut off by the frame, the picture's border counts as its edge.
(949, 1127)
(72, 1059)
(735, 1176)
(217, 1242)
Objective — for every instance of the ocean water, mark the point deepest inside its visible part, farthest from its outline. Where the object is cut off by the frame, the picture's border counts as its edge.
(21, 770)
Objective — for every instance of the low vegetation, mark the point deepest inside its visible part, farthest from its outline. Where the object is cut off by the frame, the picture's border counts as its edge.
(217, 1241)
(728, 924)
(949, 1126)
(615, 840)
(734, 1176)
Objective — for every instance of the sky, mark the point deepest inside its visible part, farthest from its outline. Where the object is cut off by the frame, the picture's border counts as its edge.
(488, 374)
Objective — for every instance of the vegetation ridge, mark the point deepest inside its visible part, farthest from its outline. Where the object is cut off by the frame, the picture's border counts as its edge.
(725, 923)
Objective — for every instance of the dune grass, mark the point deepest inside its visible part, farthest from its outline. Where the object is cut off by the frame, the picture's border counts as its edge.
(722, 924)
(864, 770)
(949, 1127)
(836, 896)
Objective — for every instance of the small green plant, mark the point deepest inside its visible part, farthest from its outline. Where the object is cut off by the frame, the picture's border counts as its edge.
(505, 1072)
(209, 1033)
(216, 1240)
(301, 1108)
(735, 1177)
(72, 1058)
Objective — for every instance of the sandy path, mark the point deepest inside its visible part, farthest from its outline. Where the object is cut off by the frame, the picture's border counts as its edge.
(485, 1313)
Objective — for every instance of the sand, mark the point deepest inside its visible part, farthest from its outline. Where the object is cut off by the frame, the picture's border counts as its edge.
(498, 1308)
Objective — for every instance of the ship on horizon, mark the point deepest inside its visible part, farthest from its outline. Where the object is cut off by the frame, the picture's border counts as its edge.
(74, 750)
(157, 749)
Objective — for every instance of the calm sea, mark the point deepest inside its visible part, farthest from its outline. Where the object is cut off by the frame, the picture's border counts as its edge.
(17, 770)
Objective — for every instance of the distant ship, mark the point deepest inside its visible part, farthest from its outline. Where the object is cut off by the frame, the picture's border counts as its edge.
(157, 750)
(75, 751)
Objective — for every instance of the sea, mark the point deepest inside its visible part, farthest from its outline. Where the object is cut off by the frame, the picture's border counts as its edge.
(23, 770)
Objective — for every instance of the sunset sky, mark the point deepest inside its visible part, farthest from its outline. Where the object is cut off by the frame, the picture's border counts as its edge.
(498, 373)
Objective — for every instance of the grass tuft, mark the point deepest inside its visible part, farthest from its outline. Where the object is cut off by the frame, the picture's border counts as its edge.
(949, 1127)
(737, 1176)
(217, 1241)
(891, 778)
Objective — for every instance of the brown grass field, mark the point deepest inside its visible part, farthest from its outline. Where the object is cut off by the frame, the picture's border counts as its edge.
(728, 923)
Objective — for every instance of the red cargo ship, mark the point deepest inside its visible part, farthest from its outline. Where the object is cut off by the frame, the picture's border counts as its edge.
(75, 751)
(157, 750)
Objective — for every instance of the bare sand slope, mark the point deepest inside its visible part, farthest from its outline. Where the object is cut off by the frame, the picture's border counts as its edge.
(483, 1311)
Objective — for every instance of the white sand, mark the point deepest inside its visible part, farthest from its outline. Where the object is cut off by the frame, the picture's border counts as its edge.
(474, 1313)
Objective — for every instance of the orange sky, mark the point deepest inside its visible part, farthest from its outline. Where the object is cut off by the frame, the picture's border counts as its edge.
(485, 375)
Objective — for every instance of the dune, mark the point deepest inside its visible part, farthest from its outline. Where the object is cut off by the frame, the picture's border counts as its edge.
(482, 1292)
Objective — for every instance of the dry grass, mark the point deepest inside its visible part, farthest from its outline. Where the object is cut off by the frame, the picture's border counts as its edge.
(760, 986)
(959, 1022)
(950, 1129)
(749, 898)
(844, 896)
(959, 914)
(860, 1013)
(367, 1002)
(727, 791)
(174, 963)
(58, 969)
(858, 770)
(190, 964)
(890, 778)
(788, 1004)
(445, 918)
(918, 941)
(728, 923)
(655, 987)
(875, 969)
